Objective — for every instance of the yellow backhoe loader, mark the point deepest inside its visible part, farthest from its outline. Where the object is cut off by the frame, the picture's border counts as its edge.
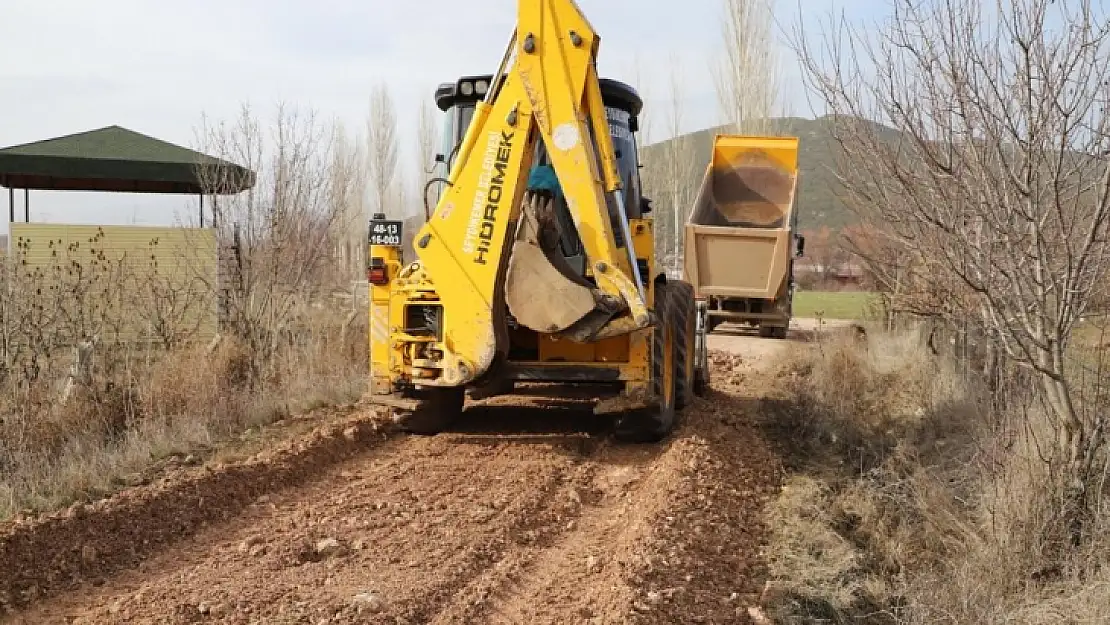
(537, 263)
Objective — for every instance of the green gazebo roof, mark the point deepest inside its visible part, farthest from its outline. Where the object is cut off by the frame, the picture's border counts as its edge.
(117, 159)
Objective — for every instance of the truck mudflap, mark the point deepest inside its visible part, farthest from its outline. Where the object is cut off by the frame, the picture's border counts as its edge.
(701, 348)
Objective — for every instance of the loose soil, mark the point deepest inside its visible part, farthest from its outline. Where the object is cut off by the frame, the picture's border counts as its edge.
(527, 512)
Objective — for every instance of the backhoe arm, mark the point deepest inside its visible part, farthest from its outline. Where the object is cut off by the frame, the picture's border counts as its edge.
(482, 240)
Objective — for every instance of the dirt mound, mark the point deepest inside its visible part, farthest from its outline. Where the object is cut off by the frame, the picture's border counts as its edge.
(88, 542)
(525, 512)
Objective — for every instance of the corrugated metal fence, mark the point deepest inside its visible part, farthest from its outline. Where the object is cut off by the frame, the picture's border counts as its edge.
(142, 281)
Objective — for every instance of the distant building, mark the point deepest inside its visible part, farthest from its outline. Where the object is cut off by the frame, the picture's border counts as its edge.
(842, 274)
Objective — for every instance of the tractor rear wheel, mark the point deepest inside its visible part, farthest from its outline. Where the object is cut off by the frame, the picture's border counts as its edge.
(654, 423)
(438, 408)
(685, 323)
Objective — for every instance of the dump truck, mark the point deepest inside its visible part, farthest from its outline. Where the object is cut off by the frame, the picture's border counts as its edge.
(741, 239)
(536, 267)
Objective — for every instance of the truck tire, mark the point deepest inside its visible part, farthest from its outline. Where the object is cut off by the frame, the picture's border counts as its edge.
(652, 425)
(772, 332)
(685, 314)
(438, 409)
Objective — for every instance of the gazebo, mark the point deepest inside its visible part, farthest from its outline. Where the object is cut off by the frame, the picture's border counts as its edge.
(115, 159)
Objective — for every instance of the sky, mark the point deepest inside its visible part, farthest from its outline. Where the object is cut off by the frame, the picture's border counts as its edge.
(68, 66)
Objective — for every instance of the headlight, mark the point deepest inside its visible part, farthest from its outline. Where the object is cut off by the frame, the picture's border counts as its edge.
(482, 87)
(467, 88)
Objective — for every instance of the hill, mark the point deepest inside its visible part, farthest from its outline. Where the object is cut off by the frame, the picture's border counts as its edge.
(818, 202)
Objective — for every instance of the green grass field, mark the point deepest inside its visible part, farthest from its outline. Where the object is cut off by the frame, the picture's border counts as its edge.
(833, 305)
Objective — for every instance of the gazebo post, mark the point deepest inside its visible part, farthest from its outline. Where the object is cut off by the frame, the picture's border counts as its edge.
(11, 204)
(201, 196)
(26, 206)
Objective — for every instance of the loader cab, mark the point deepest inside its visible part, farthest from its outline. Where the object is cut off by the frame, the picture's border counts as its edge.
(622, 107)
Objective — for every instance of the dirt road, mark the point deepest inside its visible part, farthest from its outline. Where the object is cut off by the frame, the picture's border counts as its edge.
(524, 514)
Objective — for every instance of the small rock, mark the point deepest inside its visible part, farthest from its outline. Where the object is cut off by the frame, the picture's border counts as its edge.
(257, 550)
(654, 597)
(758, 617)
(192, 460)
(249, 544)
(640, 606)
(328, 547)
(593, 565)
(204, 608)
(670, 592)
(359, 544)
(774, 593)
(88, 554)
(368, 602)
(351, 433)
(116, 607)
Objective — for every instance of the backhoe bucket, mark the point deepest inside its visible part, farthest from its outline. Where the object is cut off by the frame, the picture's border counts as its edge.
(542, 291)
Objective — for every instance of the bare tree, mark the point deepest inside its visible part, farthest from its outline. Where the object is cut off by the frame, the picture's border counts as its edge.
(276, 237)
(426, 141)
(349, 182)
(670, 175)
(679, 175)
(382, 153)
(643, 87)
(747, 76)
(998, 187)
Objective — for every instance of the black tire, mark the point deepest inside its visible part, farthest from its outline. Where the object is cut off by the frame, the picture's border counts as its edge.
(654, 423)
(685, 316)
(772, 331)
(438, 409)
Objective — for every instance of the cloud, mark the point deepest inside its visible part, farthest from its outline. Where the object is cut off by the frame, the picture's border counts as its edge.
(73, 65)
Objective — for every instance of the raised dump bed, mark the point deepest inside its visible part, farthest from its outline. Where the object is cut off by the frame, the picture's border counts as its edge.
(738, 253)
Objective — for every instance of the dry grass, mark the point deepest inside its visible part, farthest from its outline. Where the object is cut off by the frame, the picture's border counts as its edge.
(914, 503)
(143, 405)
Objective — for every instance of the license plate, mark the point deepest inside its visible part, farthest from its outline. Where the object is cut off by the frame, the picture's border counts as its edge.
(385, 233)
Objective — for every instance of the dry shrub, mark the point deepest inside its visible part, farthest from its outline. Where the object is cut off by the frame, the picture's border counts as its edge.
(295, 334)
(914, 503)
(837, 574)
(144, 405)
(856, 399)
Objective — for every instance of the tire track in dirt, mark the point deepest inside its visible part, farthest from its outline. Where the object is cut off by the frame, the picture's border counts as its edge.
(412, 521)
(579, 575)
(87, 543)
(527, 512)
